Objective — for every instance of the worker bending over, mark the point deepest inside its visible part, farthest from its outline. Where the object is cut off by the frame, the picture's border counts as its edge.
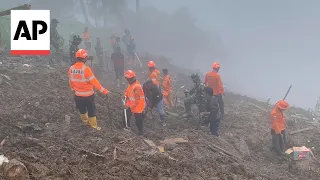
(154, 74)
(167, 88)
(194, 96)
(212, 109)
(135, 100)
(82, 81)
(154, 98)
(278, 126)
(213, 80)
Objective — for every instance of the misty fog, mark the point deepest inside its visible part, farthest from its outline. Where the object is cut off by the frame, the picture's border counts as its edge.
(263, 46)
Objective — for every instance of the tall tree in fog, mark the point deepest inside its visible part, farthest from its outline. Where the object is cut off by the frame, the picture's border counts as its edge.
(104, 8)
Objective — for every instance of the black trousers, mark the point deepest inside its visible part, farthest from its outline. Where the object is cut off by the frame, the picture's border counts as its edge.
(278, 141)
(221, 104)
(139, 117)
(86, 104)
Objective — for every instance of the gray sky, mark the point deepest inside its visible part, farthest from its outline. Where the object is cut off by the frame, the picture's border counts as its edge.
(268, 44)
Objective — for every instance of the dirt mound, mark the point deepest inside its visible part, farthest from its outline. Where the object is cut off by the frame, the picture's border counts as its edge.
(42, 130)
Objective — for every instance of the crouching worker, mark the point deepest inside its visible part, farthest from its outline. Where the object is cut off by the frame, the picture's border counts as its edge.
(278, 126)
(82, 81)
(212, 109)
(154, 98)
(135, 100)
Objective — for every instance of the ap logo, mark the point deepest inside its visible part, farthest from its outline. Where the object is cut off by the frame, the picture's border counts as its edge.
(30, 32)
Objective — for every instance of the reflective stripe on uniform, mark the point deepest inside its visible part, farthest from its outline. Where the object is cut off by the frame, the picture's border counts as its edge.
(102, 89)
(90, 78)
(84, 93)
(72, 78)
(135, 86)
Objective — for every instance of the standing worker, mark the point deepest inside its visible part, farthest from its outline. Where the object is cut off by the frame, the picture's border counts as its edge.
(118, 61)
(55, 38)
(76, 40)
(154, 98)
(99, 52)
(131, 48)
(213, 110)
(167, 88)
(135, 100)
(154, 74)
(82, 81)
(87, 39)
(213, 80)
(278, 126)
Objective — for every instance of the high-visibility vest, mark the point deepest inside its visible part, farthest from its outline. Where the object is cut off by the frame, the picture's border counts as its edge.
(155, 77)
(82, 80)
(213, 80)
(135, 97)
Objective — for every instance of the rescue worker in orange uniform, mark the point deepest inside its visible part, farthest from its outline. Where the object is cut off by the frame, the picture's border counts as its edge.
(154, 74)
(167, 88)
(213, 80)
(135, 100)
(82, 81)
(278, 126)
(87, 39)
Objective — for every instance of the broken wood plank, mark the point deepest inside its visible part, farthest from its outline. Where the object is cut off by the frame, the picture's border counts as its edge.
(150, 143)
(301, 130)
(174, 140)
(2, 143)
(262, 109)
(115, 154)
(172, 114)
(215, 148)
(124, 141)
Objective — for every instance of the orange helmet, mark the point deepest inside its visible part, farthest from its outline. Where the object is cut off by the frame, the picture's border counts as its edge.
(151, 64)
(81, 53)
(129, 74)
(282, 105)
(216, 65)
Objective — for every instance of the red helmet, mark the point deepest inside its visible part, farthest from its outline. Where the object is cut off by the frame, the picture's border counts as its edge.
(129, 74)
(151, 64)
(81, 53)
(216, 65)
(282, 105)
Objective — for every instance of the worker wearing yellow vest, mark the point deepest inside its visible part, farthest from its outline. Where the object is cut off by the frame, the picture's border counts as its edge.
(82, 81)
(135, 100)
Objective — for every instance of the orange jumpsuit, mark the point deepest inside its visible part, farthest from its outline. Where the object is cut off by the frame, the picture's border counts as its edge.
(167, 90)
(155, 77)
(278, 126)
(213, 80)
(136, 103)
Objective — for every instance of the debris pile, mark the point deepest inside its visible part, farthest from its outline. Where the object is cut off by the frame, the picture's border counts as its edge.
(40, 129)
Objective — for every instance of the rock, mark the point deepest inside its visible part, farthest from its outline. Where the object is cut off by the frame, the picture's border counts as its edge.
(14, 169)
(3, 159)
(244, 149)
(38, 169)
(170, 146)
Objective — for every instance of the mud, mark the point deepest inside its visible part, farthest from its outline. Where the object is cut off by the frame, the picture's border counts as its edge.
(43, 130)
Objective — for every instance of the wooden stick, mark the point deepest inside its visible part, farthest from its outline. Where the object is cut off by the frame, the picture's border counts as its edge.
(284, 98)
(300, 130)
(124, 141)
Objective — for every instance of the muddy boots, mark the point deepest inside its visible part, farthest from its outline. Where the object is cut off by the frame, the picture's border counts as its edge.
(93, 123)
(84, 117)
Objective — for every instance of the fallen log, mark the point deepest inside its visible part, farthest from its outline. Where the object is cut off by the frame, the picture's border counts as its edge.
(301, 130)
(216, 148)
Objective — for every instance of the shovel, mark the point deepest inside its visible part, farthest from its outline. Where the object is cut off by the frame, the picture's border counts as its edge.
(138, 59)
(125, 113)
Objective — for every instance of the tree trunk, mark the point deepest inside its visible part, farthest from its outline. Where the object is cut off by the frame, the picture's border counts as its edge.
(84, 12)
(105, 13)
